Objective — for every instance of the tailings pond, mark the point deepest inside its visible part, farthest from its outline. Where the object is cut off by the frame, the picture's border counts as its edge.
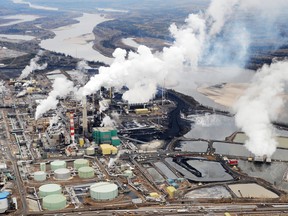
(192, 146)
(211, 126)
(200, 169)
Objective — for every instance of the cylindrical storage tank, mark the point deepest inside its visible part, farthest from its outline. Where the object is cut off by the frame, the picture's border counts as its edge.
(57, 164)
(103, 191)
(49, 189)
(54, 202)
(81, 142)
(62, 174)
(86, 172)
(80, 163)
(79, 154)
(3, 201)
(43, 167)
(90, 151)
(40, 176)
(128, 173)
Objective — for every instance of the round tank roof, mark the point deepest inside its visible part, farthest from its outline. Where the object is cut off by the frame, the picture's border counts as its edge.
(4, 194)
(58, 162)
(103, 187)
(81, 161)
(54, 198)
(86, 169)
(39, 173)
(62, 171)
(50, 187)
(54, 202)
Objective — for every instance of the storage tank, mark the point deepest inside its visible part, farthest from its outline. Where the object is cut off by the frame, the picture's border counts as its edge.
(86, 172)
(49, 189)
(128, 173)
(62, 174)
(57, 164)
(43, 167)
(81, 142)
(40, 176)
(54, 202)
(3, 201)
(103, 191)
(80, 163)
(90, 151)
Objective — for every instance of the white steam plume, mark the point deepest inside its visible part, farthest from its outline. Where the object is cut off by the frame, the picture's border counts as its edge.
(220, 36)
(61, 88)
(33, 66)
(218, 12)
(2, 87)
(107, 122)
(260, 105)
(82, 66)
(142, 72)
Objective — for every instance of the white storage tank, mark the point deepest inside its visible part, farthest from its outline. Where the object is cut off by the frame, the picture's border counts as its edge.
(62, 174)
(90, 151)
(128, 173)
(39, 176)
(49, 189)
(80, 163)
(54, 202)
(3, 201)
(103, 191)
(57, 164)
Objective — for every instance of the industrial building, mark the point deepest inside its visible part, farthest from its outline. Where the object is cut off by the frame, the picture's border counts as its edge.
(108, 149)
(105, 135)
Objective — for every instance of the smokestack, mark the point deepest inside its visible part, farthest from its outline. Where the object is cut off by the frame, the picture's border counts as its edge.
(72, 129)
(85, 123)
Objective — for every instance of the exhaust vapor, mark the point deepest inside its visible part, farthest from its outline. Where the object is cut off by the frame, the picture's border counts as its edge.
(61, 88)
(260, 105)
(220, 36)
(2, 87)
(33, 66)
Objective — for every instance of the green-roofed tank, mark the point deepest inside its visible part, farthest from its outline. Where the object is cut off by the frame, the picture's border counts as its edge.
(80, 163)
(54, 202)
(57, 164)
(86, 172)
(49, 189)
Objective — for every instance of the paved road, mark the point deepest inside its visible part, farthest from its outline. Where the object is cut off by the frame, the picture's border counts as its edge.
(13, 160)
(191, 210)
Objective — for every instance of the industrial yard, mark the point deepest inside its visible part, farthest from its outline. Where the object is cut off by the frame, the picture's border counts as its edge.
(100, 153)
(82, 133)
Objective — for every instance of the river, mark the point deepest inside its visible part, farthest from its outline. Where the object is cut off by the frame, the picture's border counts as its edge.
(77, 39)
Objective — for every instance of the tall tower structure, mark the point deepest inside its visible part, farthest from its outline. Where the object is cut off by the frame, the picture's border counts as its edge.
(72, 129)
(85, 123)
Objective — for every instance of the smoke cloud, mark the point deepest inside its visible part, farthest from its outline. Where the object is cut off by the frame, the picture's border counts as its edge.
(107, 122)
(33, 66)
(220, 36)
(2, 87)
(61, 88)
(143, 71)
(260, 105)
(82, 66)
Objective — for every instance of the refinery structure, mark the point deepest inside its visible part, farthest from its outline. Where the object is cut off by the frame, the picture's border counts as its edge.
(101, 153)
(127, 136)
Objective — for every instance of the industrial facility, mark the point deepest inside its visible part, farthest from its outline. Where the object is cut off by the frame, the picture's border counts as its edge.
(102, 153)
